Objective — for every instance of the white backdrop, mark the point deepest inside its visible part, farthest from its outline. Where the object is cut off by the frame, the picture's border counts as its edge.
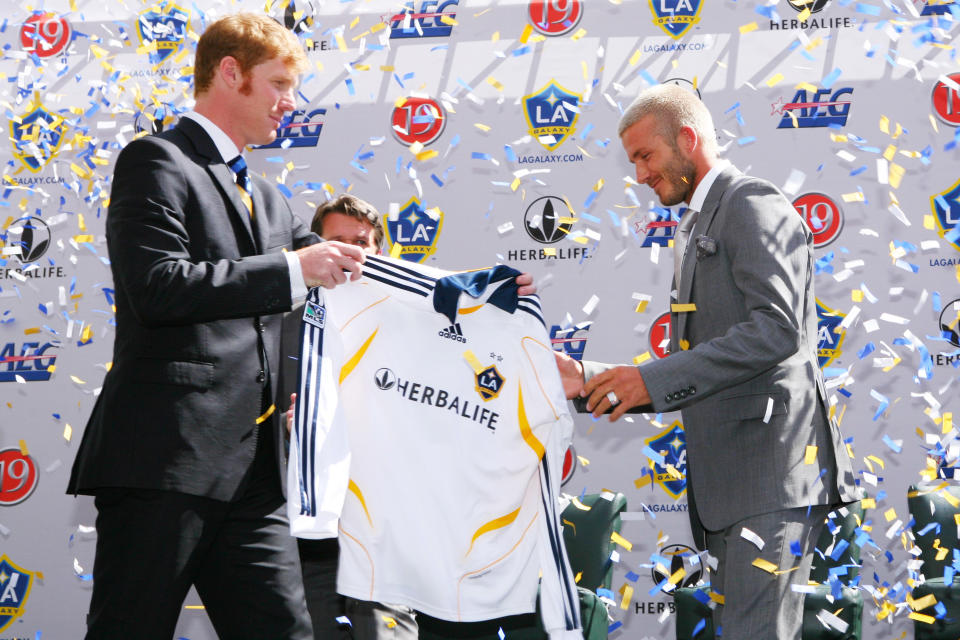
(467, 126)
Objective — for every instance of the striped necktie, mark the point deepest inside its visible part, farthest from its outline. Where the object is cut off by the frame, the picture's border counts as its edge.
(244, 185)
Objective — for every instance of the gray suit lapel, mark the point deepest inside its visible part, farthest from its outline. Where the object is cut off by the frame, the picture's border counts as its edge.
(710, 206)
(261, 226)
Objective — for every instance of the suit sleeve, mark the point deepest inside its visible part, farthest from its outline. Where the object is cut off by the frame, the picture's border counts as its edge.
(770, 261)
(156, 263)
(545, 402)
(318, 468)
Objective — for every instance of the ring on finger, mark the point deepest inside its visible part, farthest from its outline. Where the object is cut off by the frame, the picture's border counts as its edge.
(612, 397)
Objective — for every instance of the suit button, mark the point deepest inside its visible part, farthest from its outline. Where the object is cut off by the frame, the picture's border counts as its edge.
(683, 393)
(261, 376)
(692, 389)
(669, 397)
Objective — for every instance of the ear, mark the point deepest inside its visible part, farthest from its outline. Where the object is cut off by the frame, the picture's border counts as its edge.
(687, 139)
(230, 72)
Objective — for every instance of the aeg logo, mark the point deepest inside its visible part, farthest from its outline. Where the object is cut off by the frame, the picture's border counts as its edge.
(299, 129)
(822, 110)
(31, 365)
(431, 21)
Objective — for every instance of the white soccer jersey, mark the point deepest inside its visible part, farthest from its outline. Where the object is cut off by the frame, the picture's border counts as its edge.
(433, 425)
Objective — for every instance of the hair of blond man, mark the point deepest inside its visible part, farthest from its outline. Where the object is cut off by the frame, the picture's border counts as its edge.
(351, 206)
(674, 108)
(251, 39)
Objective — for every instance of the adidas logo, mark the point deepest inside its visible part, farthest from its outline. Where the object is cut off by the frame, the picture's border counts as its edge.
(454, 332)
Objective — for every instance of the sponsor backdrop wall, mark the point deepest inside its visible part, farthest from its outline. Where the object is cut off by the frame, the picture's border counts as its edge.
(484, 130)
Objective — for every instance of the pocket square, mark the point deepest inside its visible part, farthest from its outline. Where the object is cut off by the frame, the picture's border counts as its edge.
(706, 247)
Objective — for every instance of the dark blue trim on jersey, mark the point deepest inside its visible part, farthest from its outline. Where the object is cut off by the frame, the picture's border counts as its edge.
(522, 306)
(311, 337)
(571, 598)
(395, 284)
(446, 296)
(410, 274)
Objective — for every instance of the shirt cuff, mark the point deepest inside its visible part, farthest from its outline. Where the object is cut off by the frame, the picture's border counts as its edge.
(298, 288)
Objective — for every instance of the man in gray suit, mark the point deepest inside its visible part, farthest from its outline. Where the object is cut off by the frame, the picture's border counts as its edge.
(765, 463)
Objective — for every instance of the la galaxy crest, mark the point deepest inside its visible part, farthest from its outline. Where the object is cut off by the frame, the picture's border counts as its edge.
(489, 382)
(672, 445)
(552, 114)
(828, 340)
(414, 230)
(162, 30)
(946, 211)
(37, 135)
(676, 17)
(15, 583)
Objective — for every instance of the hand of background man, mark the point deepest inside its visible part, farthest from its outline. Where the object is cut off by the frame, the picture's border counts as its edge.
(324, 264)
(527, 288)
(571, 374)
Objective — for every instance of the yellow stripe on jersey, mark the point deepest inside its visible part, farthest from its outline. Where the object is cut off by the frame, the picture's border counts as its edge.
(355, 490)
(493, 525)
(525, 429)
(357, 357)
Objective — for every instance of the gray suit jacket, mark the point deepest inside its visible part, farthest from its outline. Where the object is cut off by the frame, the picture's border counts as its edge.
(748, 352)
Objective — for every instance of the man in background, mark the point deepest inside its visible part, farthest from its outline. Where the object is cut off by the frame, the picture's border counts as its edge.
(183, 451)
(349, 220)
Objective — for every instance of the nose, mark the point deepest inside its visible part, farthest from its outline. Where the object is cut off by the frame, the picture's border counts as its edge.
(642, 174)
(288, 100)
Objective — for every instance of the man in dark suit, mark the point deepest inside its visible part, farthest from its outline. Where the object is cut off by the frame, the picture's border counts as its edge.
(183, 451)
(742, 368)
(350, 220)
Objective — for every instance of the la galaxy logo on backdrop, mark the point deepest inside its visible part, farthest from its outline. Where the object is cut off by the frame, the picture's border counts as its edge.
(676, 17)
(671, 444)
(552, 114)
(830, 334)
(946, 214)
(414, 230)
(15, 583)
(825, 108)
(37, 135)
(162, 31)
(431, 21)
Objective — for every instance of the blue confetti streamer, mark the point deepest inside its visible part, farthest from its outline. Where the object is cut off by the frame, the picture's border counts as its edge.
(896, 448)
(700, 626)
(831, 77)
(508, 151)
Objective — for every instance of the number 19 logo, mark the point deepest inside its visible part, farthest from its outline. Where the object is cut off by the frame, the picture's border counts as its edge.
(45, 34)
(18, 476)
(822, 216)
(555, 17)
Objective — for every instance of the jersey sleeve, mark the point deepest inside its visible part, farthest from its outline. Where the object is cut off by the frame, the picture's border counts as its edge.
(546, 404)
(319, 464)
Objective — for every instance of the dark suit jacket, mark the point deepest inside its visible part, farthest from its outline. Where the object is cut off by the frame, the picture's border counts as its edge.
(743, 366)
(197, 287)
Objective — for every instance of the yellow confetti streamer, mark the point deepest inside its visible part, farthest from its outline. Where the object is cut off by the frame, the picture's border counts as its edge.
(765, 565)
(23, 448)
(579, 34)
(920, 617)
(627, 592)
(856, 295)
(747, 28)
(472, 361)
(803, 15)
(527, 30)
(493, 82)
(683, 308)
(395, 250)
(620, 540)
(810, 457)
(635, 58)
(774, 80)
(642, 306)
(643, 357)
(31, 331)
(947, 422)
(67, 432)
